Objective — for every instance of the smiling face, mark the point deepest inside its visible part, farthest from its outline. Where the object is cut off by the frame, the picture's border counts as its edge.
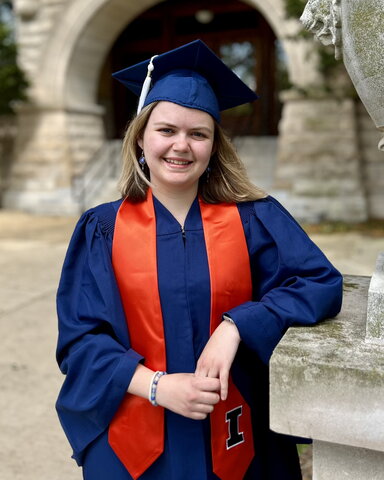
(177, 145)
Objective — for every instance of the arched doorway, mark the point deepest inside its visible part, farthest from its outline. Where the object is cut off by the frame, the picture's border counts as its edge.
(71, 81)
(236, 31)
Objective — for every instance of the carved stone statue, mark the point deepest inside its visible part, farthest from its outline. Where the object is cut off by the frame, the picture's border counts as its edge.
(323, 19)
(356, 29)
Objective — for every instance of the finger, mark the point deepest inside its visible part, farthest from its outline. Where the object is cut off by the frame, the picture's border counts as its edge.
(213, 372)
(207, 384)
(198, 416)
(224, 385)
(200, 411)
(206, 367)
(209, 398)
(203, 408)
(201, 370)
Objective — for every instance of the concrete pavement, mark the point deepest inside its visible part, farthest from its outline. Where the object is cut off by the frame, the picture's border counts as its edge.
(32, 445)
(32, 249)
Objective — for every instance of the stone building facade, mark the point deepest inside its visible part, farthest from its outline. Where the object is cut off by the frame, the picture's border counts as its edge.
(325, 163)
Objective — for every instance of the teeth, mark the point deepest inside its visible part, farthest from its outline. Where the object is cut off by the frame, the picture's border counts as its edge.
(177, 162)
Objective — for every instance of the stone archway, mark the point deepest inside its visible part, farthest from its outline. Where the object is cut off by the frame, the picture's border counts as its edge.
(83, 36)
(88, 28)
(301, 60)
(63, 127)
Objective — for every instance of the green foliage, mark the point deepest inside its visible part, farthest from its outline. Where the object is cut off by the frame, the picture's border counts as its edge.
(13, 83)
(294, 8)
(330, 68)
(327, 60)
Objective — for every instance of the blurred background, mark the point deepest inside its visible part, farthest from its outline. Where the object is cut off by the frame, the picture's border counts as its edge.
(308, 141)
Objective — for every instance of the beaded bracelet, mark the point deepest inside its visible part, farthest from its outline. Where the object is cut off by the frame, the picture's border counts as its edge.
(153, 387)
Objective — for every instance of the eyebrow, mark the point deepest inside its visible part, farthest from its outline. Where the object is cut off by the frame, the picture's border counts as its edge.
(198, 127)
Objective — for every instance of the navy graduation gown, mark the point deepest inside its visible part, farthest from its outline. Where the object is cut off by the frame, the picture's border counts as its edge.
(293, 282)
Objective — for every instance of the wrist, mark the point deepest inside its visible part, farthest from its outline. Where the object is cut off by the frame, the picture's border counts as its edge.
(230, 325)
(162, 390)
(153, 387)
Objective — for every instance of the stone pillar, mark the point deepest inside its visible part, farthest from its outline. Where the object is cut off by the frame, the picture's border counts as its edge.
(372, 162)
(259, 157)
(375, 308)
(318, 173)
(337, 462)
(327, 383)
(51, 147)
(40, 173)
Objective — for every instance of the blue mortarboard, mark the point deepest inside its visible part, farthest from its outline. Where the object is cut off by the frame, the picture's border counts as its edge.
(191, 76)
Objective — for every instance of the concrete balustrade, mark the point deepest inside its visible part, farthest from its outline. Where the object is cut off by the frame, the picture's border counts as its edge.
(327, 383)
(375, 308)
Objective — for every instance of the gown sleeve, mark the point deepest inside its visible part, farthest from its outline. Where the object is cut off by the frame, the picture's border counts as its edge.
(93, 346)
(293, 282)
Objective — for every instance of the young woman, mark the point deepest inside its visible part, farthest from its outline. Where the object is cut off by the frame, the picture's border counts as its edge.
(172, 299)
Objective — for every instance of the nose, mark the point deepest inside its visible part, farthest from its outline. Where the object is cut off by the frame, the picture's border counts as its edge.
(180, 143)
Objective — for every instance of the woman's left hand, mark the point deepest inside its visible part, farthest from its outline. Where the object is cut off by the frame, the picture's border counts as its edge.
(216, 359)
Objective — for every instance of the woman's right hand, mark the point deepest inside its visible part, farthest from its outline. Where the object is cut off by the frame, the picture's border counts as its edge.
(188, 395)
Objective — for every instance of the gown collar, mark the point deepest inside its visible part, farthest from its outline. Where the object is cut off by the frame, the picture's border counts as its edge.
(167, 223)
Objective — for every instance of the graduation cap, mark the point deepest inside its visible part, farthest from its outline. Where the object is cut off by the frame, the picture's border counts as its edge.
(191, 76)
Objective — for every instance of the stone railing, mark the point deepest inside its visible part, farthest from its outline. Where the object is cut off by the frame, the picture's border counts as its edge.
(375, 310)
(327, 384)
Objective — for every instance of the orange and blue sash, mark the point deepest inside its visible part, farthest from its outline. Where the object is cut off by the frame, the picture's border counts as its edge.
(136, 433)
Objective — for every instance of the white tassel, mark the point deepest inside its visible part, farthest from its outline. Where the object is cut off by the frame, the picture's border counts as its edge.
(146, 85)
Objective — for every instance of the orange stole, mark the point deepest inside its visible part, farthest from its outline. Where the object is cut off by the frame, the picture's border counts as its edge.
(136, 433)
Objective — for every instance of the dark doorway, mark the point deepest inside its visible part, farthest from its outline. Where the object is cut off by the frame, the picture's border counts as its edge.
(235, 31)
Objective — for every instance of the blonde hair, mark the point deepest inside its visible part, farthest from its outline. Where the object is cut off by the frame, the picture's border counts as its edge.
(228, 180)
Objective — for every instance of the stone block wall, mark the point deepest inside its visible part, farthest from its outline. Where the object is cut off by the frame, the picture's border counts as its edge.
(40, 174)
(259, 157)
(318, 170)
(86, 136)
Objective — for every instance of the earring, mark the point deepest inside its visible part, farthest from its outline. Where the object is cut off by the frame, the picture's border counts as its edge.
(142, 161)
(207, 172)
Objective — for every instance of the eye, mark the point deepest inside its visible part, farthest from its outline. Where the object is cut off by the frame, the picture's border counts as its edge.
(166, 130)
(199, 134)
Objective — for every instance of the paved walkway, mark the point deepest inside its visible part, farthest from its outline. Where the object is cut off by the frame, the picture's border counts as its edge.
(32, 445)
